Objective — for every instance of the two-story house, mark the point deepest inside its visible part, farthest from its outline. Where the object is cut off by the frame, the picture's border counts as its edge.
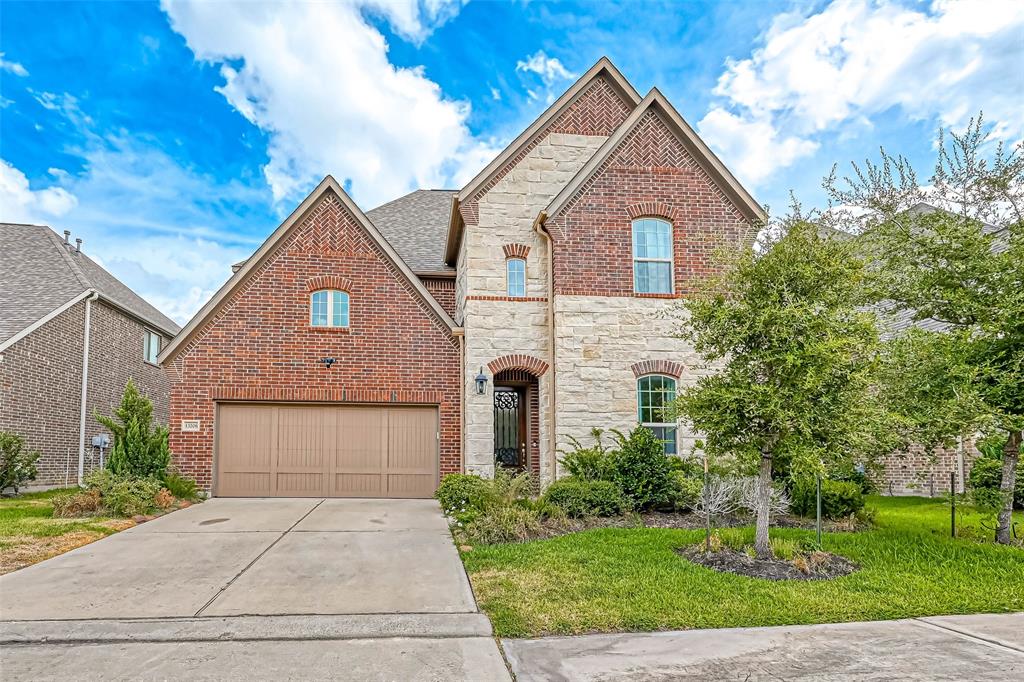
(368, 354)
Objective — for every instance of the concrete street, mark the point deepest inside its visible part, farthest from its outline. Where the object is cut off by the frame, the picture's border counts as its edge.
(981, 647)
(255, 588)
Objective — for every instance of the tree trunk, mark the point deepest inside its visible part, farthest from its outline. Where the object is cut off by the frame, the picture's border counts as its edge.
(1011, 453)
(762, 546)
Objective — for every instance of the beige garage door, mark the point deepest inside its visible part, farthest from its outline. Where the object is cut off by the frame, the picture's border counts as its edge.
(326, 450)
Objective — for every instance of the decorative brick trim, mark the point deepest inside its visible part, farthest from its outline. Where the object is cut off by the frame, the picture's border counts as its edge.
(666, 367)
(643, 295)
(516, 250)
(512, 299)
(328, 282)
(534, 366)
(651, 209)
(325, 395)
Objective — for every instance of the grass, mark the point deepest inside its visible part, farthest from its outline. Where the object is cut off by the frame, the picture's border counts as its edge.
(29, 533)
(617, 579)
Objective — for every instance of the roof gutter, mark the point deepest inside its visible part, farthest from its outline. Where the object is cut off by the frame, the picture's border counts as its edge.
(44, 319)
(541, 229)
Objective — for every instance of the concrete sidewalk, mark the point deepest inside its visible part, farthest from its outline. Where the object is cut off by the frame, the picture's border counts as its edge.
(980, 647)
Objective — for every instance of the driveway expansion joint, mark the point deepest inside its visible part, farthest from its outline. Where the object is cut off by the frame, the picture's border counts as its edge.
(969, 636)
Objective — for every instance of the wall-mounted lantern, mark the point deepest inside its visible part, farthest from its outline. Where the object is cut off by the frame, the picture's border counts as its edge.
(327, 362)
(481, 382)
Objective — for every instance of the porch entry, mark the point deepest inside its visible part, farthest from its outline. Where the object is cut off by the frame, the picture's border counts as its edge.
(516, 421)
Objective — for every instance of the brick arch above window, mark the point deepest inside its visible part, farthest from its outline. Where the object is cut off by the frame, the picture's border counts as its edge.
(328, 282)
(665, 367)
(534, 366)
(651, 209)
(516, 250)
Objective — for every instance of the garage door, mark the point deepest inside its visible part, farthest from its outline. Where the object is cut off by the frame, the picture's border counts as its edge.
(326, 450)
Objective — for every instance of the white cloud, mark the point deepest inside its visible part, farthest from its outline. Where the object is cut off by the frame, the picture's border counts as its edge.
(816, 74)
(12, 67)
(496, 94)
(21, 204)
(550, 70)
(316, 78)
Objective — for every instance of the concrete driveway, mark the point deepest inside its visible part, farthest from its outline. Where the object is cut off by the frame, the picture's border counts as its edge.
(299, 588)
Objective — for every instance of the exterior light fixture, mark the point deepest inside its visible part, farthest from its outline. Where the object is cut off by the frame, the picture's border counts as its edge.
(481, 382)
(327, 362)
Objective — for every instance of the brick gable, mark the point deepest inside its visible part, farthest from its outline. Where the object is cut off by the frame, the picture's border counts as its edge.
(259, 344)
(649, 167)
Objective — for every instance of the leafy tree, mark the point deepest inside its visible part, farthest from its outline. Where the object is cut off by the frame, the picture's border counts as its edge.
(139, 448)
(797, 356)
(951, 255)
(17, 464)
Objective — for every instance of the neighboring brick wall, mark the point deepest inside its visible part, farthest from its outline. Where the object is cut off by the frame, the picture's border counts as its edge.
(259, 345)
(41, 385)
(593, 234)
(915, 472)
(443, 289)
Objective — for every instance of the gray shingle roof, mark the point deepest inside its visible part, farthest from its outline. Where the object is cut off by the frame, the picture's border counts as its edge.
(416, 226)
(38, 274)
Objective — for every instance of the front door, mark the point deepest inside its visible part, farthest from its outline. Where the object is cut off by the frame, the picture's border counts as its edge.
(509, 427)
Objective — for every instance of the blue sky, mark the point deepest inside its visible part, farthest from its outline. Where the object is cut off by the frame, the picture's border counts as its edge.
(173, 137)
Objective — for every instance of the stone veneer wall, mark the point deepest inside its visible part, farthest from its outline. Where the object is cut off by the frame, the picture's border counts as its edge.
(597, 340)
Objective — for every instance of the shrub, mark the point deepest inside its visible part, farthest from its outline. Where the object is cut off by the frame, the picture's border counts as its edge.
(463, 493)
(719, 497)
(778, 500)
(578, 498)
(641, 469)
(163, 499)
(686, 491)
(73, 505)
(17, 465)
(588, 464)
(139, 448)
(503, 523)
(839, 499)
(508, 487)
(124, 495)
(182, 487)
(985, 478)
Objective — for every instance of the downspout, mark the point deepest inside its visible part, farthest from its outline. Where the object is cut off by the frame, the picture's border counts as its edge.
(85, 386)
(461, 336)
(538, 225)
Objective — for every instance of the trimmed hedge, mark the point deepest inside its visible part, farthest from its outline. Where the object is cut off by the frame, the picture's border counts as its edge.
(839, 499)
(578, 498)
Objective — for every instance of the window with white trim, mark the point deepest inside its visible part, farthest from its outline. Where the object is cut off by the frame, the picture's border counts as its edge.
(328, 308)
(515, 276)
(654, 394)
(151, 346)
(652, 256)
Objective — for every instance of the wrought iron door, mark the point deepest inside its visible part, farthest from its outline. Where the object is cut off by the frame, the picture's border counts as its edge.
(509, 427)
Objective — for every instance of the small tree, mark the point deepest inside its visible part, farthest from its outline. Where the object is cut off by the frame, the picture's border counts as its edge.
(139, 448)
(17, 465)
(957, 262)
(797, 359)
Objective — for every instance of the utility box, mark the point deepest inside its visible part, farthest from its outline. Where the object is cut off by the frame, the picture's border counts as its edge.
(101, 441)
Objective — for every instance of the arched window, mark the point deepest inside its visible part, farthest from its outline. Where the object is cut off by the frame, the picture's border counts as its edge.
(652, 256)
(328, 308)
(654, 393)
(515, 276)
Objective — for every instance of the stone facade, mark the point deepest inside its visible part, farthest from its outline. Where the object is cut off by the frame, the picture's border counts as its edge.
(259, 345)
(41, 385)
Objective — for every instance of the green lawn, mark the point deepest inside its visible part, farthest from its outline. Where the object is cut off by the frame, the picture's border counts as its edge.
(30, 534)
(618, 579)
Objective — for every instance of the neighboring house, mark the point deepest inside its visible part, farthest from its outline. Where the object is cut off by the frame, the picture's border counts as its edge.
(71, 335)
(368, 354)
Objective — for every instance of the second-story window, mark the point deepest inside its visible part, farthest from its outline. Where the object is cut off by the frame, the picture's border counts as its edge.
(515, 274)
(652, 256)
(151, 346)
(328, 308)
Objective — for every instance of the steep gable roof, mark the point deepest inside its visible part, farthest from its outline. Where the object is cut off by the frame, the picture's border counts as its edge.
(603, 68)
(39, 274)
(702, 154)
(328, 184)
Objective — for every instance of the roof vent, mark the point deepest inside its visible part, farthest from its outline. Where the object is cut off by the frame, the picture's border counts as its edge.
(78, 245)
(67, 233)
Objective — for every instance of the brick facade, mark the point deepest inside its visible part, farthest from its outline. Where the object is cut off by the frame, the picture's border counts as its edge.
(915, 472)
(41, 385)
(259, 344)
(443, 289)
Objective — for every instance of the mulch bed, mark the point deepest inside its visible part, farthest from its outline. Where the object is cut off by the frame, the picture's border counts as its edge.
(819, 565)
